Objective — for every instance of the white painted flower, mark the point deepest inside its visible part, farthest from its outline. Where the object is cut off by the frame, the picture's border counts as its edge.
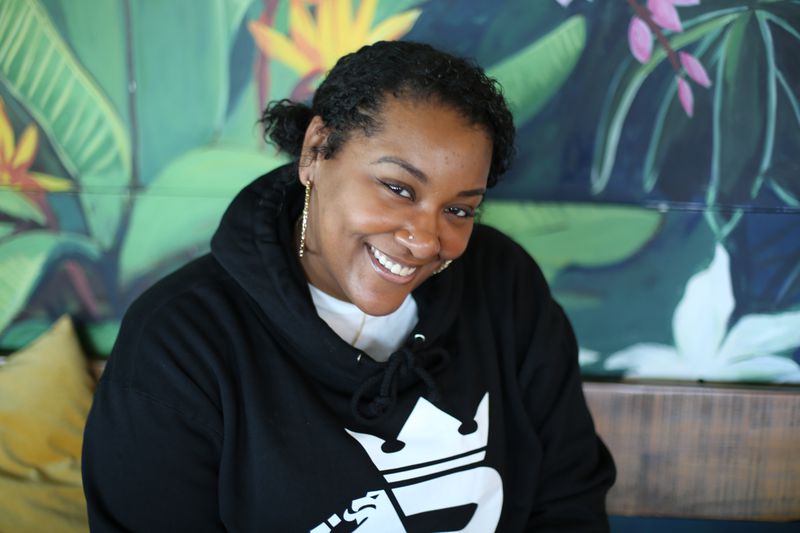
(587, 357)
(706, 349)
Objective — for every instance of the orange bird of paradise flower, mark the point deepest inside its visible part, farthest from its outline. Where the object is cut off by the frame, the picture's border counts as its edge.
(16, 159)
(317, 40)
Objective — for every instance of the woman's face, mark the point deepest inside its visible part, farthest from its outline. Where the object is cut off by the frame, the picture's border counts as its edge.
(388, 209)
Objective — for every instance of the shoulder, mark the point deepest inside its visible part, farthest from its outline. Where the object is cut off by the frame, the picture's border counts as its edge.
(501, 277)
(497, 259)
(201, 280)
(504, 277)
(167, 339)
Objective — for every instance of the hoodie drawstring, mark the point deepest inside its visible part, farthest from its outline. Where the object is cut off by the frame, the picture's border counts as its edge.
(401, 363)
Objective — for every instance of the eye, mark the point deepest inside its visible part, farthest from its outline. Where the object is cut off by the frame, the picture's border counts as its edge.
(399, 190)
(460, 212)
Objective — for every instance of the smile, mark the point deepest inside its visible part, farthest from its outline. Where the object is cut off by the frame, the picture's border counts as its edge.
(395, 268)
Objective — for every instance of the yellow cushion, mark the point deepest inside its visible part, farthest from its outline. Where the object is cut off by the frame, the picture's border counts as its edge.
(45, 394)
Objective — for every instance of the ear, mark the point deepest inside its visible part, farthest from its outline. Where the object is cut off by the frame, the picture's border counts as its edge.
(316, 136)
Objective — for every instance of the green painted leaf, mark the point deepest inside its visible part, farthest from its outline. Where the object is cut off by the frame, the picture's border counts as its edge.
(102, 336)
(504, 35)
(235, 11)
(42, 73)
(783, 178)
(23, 333)
(23, 259)
(17, 205)
(388, 8)
(551, 57)
(561, 235)
(241, 127)
(723, 222)
(87, 23)
(6, 229)
(770, 103)
(181, 51)
(782, 174)
(178, 213)
(784, 183)
(742, 126)
(785, 9)
(625, 87)
(670, 123)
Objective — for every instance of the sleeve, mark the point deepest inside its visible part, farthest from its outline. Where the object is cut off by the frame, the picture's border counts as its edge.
(152, 444)
(577, 469)
(147, 466)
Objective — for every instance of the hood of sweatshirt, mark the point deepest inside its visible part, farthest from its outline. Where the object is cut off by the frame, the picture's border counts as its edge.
(254, 244)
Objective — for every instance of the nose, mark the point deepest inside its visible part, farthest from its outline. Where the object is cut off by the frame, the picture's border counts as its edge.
(423, 243)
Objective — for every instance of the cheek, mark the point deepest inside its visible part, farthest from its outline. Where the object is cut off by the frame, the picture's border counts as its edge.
(349, 206)
(368, 218)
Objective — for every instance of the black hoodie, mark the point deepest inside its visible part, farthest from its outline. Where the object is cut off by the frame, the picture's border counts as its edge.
(228, 404)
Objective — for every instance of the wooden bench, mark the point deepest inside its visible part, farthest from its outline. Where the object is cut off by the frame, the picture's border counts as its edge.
(700, 451)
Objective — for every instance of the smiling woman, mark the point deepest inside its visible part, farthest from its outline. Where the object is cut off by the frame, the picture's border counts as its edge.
(322, 369)
(391, 208)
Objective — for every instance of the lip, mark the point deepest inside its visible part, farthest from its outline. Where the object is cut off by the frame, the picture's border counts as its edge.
(386, 274)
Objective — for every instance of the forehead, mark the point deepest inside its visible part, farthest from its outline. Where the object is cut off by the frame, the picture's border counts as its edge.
(432, 136)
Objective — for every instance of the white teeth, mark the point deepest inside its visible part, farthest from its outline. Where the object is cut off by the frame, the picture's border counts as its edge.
(391, 266)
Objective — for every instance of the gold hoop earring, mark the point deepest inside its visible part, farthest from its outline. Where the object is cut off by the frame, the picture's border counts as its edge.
(444, 266)
(304, 221)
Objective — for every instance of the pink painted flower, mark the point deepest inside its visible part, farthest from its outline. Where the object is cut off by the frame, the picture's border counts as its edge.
(564, 3)
(643, 29)
(695, 69)
(640, 39)
(664, 14)
(685, 95)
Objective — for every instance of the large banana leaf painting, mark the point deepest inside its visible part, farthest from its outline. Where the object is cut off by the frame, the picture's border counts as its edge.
(657, 181)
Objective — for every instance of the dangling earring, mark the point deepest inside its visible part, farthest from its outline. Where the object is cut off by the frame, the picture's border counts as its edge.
(304, 220)
(444, 266)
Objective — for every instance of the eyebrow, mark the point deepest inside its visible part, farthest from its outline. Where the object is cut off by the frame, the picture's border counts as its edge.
(472, 192)
(408, 167)
(420, 175)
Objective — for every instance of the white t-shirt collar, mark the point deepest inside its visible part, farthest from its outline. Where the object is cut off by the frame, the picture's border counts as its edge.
(377, 336)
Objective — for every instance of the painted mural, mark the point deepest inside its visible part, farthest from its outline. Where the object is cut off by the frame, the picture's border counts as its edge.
(657, 182)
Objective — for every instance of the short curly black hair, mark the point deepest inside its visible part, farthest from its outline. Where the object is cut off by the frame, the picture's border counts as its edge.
(352, 94)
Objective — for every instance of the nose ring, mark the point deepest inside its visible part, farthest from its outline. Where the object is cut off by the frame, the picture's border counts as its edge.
(410, 236)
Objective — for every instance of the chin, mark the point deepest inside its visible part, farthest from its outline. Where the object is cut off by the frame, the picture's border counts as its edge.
(376, 305)
(379, 308)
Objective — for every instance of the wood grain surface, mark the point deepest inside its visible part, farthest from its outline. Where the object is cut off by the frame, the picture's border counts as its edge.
(701, 451)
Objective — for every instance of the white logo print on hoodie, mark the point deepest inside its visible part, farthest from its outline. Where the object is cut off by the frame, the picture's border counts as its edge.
(433, 447)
